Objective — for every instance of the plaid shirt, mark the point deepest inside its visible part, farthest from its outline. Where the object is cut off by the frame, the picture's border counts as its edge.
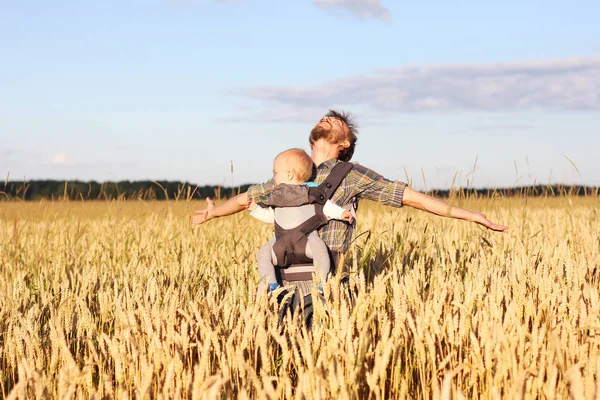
(360, 183)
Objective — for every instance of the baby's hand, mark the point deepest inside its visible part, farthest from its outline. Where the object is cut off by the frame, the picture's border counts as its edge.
(251, 205)
(347, 216)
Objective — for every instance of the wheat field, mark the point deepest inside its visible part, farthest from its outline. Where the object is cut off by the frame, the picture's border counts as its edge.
(126, 299)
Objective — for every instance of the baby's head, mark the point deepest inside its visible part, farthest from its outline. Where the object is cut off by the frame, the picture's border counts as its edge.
(292, 166)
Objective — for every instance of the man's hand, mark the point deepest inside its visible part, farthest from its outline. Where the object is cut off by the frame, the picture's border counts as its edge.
(481, 219)
(347, 216)
(201, 216)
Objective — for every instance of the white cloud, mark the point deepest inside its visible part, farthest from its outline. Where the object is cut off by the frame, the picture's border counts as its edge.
(505, 127)
(362, 9)
(561, 84)
(181, 3)
(60, 159)
(280, 115)
(296, 115)
(7, 153)
(12, 156)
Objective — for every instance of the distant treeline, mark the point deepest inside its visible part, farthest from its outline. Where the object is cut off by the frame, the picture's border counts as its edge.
(129, 190)
(161, 190)
(534, 191)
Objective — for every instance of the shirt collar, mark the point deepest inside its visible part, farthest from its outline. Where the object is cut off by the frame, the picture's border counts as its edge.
(328, 164)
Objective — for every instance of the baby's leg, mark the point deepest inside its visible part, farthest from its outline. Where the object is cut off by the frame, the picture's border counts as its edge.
(317, 250)
(266, 261)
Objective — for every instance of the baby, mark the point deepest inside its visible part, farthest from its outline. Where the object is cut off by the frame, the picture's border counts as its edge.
(289, 209)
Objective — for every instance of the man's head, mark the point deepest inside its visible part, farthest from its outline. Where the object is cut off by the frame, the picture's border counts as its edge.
(292, 166)
(337, 127)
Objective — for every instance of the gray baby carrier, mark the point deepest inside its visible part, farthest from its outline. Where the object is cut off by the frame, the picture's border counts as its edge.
(290, 244)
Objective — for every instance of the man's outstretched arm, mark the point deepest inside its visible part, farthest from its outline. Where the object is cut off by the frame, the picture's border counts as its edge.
(436, 206)
(233, 205)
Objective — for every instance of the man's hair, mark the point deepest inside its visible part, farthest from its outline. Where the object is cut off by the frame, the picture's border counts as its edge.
(332, 137)
(299, 162)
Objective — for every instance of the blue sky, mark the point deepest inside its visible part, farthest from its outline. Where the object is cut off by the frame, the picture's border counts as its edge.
(179, 89)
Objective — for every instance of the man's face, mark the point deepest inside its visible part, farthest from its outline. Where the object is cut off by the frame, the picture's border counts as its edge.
(331, 133)
(336, 128)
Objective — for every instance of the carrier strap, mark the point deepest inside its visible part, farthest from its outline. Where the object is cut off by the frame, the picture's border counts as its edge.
(327, 188)
(335, 178)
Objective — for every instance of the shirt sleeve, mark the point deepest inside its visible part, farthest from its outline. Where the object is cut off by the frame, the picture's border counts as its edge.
(264, 214)
(260, 193)
(370, 185)
(332, 210)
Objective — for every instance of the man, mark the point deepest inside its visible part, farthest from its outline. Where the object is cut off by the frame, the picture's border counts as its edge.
(332, 140)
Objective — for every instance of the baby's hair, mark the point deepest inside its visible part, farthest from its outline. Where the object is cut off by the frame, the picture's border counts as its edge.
(299, 162)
